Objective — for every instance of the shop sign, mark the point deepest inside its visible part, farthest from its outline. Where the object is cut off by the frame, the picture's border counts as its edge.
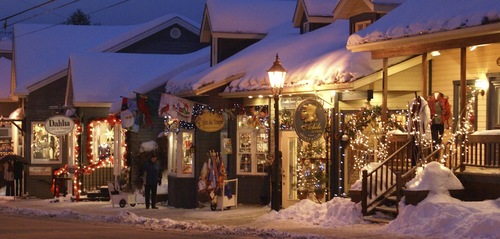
(310, 120)
(209, 121)
(59, 125)
(40, 171)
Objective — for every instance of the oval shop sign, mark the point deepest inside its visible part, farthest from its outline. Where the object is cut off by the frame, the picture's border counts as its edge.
(59, 125)
(310, 120)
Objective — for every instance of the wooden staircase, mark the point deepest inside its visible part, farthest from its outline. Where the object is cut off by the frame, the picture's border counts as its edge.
(385, 212)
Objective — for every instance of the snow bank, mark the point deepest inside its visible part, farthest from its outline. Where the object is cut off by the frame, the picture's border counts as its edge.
(436, 178)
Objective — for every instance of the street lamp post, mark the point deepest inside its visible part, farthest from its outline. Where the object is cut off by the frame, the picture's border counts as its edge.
(276, 79)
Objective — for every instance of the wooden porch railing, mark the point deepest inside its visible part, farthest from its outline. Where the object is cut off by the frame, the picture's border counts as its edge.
(97, 178)
(393, 173)
(381, 182)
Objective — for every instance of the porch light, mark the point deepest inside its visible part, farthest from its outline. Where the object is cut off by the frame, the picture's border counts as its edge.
(276, 79)
(435, 53)
(481, 85)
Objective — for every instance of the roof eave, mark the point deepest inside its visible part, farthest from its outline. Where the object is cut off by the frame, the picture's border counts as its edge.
(413, 45)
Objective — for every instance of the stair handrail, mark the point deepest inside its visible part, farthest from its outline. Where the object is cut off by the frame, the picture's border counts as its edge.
(367, 191)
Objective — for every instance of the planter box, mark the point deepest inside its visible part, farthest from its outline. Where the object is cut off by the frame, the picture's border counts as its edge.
(355, 195)
(414, 197)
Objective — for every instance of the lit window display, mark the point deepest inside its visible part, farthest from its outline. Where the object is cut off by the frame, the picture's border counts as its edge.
(181, 153)
(253, 141)
(46, 148)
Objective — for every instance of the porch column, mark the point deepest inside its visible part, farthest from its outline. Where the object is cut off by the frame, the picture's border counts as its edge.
(384, 90)
(463, 92)
(463, 82)
(425, 73)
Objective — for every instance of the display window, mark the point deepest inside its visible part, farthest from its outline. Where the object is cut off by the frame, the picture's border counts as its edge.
(46, 147)
(253, 141)
(181, 153)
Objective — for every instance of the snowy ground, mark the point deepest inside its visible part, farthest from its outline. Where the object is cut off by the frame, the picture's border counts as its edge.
(438, 216)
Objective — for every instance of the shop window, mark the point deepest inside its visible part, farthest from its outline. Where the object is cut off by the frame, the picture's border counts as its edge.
(181, 153)
(46, 147)
(101, 141)
(253, 141)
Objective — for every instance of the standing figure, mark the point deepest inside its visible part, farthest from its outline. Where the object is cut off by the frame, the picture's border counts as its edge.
(440, 113)
(18, 176)
(152, 179)
(8, 176)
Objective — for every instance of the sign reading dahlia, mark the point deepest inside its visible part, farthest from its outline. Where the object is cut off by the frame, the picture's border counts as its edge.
(309, 120)
(59, 125)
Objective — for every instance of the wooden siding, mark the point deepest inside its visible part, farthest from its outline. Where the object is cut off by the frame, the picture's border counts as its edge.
(162, 43)
(228, 47)
(446, 69)
(37, 109)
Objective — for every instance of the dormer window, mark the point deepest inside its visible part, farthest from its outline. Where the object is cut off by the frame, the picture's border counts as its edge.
(358, 26)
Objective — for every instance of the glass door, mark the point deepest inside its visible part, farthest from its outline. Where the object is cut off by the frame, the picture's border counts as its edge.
(289, 146)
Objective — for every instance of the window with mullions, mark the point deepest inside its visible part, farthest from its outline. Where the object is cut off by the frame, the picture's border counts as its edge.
(45, 147)
(253, 140)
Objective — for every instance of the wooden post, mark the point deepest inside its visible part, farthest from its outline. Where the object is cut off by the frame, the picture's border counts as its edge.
(424, 75)
(463, 96)
(364, 192)
(384, 90)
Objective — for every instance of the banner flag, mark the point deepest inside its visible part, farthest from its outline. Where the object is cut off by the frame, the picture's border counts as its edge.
(176, 107)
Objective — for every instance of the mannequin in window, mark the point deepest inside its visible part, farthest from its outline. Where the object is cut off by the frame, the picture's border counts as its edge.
(440, 114)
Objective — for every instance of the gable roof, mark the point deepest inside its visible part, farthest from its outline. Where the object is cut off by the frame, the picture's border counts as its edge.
(316, 11)
(348, 8)
(432, 25)
(39, 64)
(99, 79)
(254, 17)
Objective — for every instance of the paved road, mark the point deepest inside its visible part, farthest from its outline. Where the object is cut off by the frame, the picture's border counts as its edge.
(17, 227)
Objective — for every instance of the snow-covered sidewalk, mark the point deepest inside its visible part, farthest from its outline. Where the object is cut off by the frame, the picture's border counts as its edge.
(438, 216)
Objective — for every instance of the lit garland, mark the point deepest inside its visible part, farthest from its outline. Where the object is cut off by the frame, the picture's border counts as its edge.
(355, 130)
(464, 126)
(94, 164)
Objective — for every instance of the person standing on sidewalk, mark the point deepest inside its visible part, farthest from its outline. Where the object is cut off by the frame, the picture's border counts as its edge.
(152, 180)
(8, 176)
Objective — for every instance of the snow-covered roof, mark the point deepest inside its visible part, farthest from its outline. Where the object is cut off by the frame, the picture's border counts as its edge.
(323, 8)
(316, 11)
(314, 59)
(5, 45)
(243, 16)
(5, 71)
(99, 78)
(419, 17)
(348, 8)
(47, 60)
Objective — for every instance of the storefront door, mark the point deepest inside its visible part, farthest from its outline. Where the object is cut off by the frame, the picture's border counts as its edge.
(289, 144)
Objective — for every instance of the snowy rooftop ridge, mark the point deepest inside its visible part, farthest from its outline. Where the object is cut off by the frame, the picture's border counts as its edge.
(418, 17)
(55, 43)
(256, 16)
(323, 60)
(320, 8)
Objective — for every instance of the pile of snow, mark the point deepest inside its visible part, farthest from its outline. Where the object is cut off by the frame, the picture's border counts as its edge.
(436, 178)
(438, 216)
(334, 213)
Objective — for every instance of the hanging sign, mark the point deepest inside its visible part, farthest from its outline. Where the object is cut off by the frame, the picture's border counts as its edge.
(209, 121)
(310, 120)
(176, 107)
(59, 125)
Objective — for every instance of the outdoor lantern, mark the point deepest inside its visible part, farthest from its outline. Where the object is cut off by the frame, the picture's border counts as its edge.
(276, 76)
